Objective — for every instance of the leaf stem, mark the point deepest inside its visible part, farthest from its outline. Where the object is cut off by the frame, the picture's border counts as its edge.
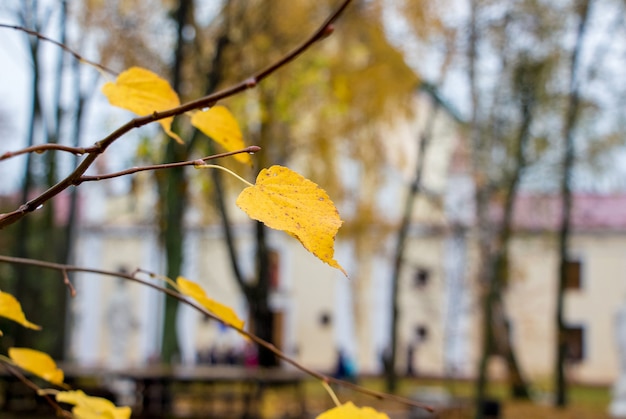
(162, 278)
(47, 392)
(7, 360)
(332, 394)
(215, 166)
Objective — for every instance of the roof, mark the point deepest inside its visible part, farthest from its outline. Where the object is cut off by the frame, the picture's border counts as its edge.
(590, 212)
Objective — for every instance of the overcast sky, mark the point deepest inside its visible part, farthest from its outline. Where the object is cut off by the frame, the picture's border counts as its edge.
(15, 76)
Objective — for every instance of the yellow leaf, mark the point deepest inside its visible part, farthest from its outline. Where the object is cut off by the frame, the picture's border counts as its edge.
(350, 411)
(11, 309)
(143, 92)
(39, 363)
(284, 200)
(223, 312)
(219, 124)
(87, 407)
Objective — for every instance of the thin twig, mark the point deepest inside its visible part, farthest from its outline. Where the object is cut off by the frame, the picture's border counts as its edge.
(18, 374)
(78, 151)
(195, 305)
(68, 284)
(323, 31)
(153, 167)
(61, 45)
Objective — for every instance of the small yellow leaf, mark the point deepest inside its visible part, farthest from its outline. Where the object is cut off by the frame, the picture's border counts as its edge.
(223, 312)
(219, 124)
(143, 92)
(88, 407)
(39, 363)
(350, 411)
(284, 200)
(12, 309)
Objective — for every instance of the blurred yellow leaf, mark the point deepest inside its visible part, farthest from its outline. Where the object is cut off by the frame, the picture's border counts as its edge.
(219, 124)
(12, 309)
(223, 312)
(284, 200)
(350, 411)
(143, 92)
(39, 363)
(87, 407)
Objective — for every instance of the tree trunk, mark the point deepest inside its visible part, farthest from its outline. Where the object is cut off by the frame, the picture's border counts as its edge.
(560, 384)
(173, 196)
(42, 292)
(391, 376)
(258, 301)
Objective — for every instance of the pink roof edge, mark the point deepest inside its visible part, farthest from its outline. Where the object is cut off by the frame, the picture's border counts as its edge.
(597, 212)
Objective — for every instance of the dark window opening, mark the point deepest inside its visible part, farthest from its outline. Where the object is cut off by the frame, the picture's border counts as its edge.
(573, 269)
(324, 319)
(274, 269)
(421, 277)
(574, 341)
(421, 332)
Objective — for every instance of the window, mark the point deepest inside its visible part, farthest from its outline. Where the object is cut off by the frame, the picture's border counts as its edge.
(324, 319)
(573, 269)
(421, 277)
(575, 339)
(274, 269)
(421, 332)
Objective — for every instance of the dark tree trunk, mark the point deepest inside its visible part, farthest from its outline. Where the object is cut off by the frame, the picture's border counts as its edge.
(560, 384)
(391, 376)
(173, 196)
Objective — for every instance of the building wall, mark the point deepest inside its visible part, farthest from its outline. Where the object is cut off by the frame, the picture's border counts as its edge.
(532, 297)
(323, 312)
(115, 322)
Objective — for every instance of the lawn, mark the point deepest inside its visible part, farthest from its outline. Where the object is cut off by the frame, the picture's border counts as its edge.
(220, 401)
(585, 402)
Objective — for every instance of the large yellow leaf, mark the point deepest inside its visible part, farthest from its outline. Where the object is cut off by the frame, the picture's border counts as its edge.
(350, 411)
(39, 363)
(219, 124)
(143, 92)
(87, 407)
(223, 312)
(284, 200)
(12, 309)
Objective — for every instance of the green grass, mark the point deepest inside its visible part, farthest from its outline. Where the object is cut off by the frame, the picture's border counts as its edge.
(586, 402)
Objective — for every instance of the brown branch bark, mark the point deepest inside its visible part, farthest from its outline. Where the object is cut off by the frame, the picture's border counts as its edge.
(154, 167)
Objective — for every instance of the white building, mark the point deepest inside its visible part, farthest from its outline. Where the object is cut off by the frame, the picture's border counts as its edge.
(318, 311)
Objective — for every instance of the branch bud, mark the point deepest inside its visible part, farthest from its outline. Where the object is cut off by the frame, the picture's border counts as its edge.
(328, 30)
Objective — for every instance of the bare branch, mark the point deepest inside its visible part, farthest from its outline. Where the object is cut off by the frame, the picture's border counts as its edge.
(78, 151)
(60, 45)
(18, 374)
(68, 284)
(251, 149)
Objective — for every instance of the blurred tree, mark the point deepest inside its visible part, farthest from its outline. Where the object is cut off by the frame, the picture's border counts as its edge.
(512, 58)
(323, 108)
(47, 236)
(572, 111)
(517, 54)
